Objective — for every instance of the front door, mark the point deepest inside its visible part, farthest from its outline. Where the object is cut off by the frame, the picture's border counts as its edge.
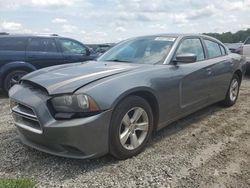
(195, 77)
(73, 51)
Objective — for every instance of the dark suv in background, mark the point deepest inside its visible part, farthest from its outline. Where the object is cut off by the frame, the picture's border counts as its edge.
(21, 54)
(99, 49)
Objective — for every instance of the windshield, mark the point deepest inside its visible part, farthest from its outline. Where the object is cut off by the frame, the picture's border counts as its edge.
(146, 50)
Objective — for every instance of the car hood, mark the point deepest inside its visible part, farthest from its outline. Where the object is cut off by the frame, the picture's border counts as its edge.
(68, 78)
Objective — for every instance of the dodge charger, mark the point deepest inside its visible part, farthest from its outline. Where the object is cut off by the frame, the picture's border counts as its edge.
(113, 105)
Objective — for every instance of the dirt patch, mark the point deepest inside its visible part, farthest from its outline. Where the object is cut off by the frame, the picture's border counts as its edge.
(210, 148)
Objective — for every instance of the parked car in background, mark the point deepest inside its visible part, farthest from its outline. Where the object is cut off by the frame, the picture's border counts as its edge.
(99, 49)
(21, 54)
(246, 49)
(113, 105)
(246, 53)
(235, 47)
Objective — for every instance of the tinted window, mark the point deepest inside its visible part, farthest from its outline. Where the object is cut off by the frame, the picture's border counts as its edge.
(213, 49)
(70, 46)
(193, 46)
(42, 45)
(223, 51)
(247, 41)
(14, 44)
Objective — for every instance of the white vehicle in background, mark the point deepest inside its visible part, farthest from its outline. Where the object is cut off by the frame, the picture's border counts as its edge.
(246, 49)
(246, 53)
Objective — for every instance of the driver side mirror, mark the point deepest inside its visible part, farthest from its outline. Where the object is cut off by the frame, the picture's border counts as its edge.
(185, 58)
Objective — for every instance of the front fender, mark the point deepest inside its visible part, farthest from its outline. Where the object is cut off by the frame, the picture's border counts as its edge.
(109, 99)
(108, 94)
(132, 91)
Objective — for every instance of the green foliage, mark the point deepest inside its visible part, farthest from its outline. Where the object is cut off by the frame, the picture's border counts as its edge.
(17, 183)
(228, 37)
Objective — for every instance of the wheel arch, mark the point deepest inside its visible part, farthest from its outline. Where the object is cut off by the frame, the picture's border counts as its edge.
(239, 74)
(148, 95)
(17, 65)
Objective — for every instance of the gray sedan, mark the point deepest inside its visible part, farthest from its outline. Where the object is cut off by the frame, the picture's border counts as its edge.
(113, 105)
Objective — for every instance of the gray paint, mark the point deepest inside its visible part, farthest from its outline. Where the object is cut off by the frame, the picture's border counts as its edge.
(178, 89)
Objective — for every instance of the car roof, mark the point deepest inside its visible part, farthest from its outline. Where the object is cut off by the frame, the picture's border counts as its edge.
(176, 35)
(181, 35)
(3, 34)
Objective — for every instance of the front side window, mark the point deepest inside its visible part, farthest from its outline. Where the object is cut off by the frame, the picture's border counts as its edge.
(213, 49)
(42, 45)
(192, 46)
(13, 43)
(72, 47)
(145, 50)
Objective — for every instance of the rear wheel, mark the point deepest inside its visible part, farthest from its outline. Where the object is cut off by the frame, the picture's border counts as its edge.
(131, 127)
(233, 91)
(13, 78)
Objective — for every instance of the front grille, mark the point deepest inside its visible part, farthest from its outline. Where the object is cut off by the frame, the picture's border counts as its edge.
(25, 117)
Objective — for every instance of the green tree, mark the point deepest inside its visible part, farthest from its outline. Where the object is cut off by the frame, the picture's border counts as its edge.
(228, 37)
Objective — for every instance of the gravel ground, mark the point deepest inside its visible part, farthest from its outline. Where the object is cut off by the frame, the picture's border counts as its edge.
(210, 148)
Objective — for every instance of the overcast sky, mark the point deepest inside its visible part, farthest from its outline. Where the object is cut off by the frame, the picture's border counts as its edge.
(97, 21)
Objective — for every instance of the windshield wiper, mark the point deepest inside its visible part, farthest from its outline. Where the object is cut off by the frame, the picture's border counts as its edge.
(118, 60)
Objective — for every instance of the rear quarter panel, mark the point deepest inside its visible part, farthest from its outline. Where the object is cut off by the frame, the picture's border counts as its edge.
(15, 65)
(7, 57)
(10, 56)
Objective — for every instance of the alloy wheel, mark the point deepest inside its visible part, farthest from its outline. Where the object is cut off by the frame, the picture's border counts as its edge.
(134, 128)
(234, 89)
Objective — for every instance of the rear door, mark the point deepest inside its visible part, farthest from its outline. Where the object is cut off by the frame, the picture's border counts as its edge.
(246, 49)
(43, 52)
(221, 67)
(73, 51)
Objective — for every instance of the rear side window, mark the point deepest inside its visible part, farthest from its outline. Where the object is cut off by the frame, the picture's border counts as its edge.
(12, 43)
(213, 48)
(193, 46)
(42, 45)
(247, 41)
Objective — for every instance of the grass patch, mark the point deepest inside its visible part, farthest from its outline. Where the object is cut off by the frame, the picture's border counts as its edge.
(17, 183)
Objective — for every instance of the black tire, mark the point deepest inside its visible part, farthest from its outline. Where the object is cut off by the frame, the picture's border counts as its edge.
(116, 148)
(228, 101)
(13, 75)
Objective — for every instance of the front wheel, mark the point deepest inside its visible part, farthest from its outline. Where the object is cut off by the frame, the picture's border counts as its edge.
(233, 91)
(131, 127)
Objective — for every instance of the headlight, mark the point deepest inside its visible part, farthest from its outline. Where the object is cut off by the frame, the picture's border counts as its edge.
(74, 104)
